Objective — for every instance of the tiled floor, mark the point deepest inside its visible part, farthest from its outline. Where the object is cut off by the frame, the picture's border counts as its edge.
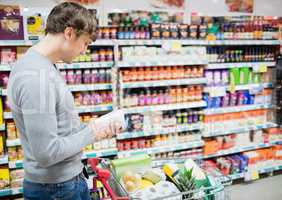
(265, 189)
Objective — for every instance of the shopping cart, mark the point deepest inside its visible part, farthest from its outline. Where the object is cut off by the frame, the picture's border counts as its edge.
(115, 190)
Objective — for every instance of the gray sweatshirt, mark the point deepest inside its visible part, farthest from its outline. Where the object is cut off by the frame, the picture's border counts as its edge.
(43, 108)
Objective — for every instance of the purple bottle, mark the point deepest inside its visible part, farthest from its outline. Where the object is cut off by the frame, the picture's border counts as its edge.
(93, 98)
(70, 77)
(225, 101)
(94, 76)
(78, 77)
(217, 77)
(141, 99)
(86, 99)
(87, 77)
(148, 98)
(233, 99)
(166, 97)
(209, 77)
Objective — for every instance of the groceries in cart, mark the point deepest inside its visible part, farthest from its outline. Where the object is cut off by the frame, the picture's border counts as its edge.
(134, 178)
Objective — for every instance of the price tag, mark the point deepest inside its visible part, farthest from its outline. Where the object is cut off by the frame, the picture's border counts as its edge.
(173, 45)
(176, 46)
(262, 68)
(255, 89)
(217, 91)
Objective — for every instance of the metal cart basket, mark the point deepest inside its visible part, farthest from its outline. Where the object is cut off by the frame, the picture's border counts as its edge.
(115, 190)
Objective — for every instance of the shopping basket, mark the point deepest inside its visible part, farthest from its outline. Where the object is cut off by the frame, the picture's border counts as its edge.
(115, 190)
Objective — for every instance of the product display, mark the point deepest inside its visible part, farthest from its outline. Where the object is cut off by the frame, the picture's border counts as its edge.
(92, 98)
(204, 95)
(229, 121)
(143, 53)
(158, 141)
(162, 96)
(100, 55)
(87, 76)
(15, 153)
(243, 54)
(161, 73)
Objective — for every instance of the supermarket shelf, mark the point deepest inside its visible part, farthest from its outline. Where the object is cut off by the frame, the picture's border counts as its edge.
(212, 89)
(97, 108)
(8, 115)
(223, 131)
(80, 87)
(11, 191)
(155, 150)
(17, 42)
(251, 86)
(3, 160)
(90, 87)
(103, 42)
(164, 107)
(163, 131)
(161, 162)
(12, 143)
(213, 111)
(239, 64)
(100, 153)
(16, 164)
(238, 150)
(198, 42)
(188, 81)
(169, 62)
(80, 109)
(108, 42)
(261, 171)
(5, 67)
(2, 127)
(85, 65)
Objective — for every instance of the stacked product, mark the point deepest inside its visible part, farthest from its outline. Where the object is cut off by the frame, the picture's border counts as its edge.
(93, 98)
(146, 97)
(86, 76)
(242, 54)
(245, 139)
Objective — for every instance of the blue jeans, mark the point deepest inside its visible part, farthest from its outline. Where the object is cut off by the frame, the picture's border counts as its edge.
(74, 189)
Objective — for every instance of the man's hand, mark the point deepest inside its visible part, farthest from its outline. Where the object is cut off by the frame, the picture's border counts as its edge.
(107, 126)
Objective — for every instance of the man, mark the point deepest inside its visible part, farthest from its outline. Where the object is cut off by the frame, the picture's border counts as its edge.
(43, 108)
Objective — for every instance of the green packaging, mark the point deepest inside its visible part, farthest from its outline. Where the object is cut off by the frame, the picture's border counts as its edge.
(244, 75)
(234, 76)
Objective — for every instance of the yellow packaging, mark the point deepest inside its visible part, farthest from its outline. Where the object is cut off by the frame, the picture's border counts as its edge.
(1, 145)
(4, 178)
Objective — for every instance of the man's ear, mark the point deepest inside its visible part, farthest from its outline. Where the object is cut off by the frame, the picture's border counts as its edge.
(69, 33)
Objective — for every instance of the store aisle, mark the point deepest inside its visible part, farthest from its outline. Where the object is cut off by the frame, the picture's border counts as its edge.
(264, 189)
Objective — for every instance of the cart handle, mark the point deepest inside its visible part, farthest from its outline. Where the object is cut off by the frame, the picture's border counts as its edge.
(103, 175)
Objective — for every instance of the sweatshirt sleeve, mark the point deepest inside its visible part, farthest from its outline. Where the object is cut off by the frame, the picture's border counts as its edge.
(37, 101)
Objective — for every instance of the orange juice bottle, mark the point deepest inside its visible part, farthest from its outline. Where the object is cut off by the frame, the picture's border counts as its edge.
(140, 74)
(168, 73)
(187, 72)
(179, 95)
(181, 72)
(185, 95)
(174, 72)
(173, 96)
(147, 74)
(192, 93)
(133, 73)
